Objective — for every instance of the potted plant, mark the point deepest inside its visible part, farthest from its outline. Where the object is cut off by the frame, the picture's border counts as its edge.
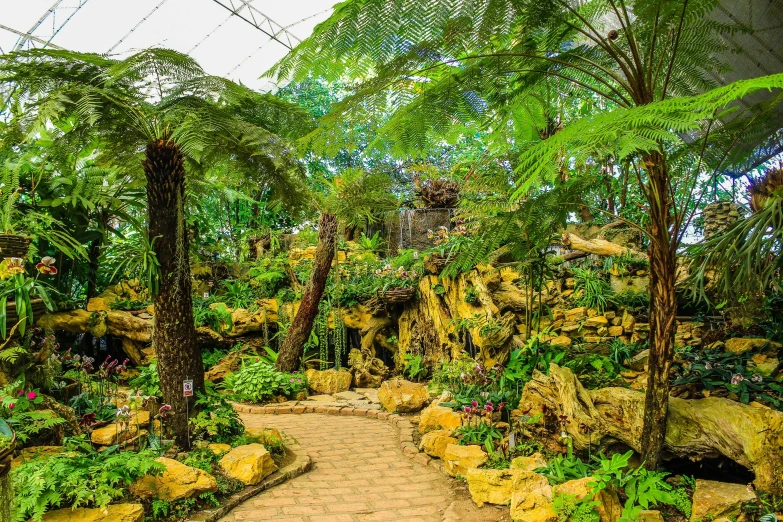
(396, 286)
(22, 297)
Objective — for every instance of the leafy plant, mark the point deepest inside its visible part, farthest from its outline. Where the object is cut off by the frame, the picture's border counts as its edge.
(569, 509)
(631, 300)
(134, 257)
(80, 476)
(594, 291)
(481, 433)
(238, 294)
(217, 317)
(17, 286)
(413, 367)
(148, 380)
(211, 357)
(370, 244)
(471, 295)
(216, 421)
(257, 381)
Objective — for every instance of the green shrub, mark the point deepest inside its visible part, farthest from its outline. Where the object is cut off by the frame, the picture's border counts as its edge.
(211, 357)
(568, 509)
(257, 381)
(595, 291)
(148, 381)
(78, 477)
(216, 420)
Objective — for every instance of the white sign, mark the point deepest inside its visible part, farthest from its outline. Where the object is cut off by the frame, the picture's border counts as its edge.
(206, 295)
(187, 388)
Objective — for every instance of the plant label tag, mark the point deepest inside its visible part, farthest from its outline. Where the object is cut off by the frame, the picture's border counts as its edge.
(512, 442)
(206, 295)
(187, 388)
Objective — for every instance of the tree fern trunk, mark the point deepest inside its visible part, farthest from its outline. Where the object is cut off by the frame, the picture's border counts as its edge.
(663, 311)
(293, 346)
(174, 335)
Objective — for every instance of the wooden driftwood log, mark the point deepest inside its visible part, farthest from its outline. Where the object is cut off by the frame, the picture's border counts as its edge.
(696, 429)
(599, 247)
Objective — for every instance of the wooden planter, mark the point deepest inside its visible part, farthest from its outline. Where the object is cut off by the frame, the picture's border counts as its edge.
(12, 245)
(436, 263)
(38, 306)
(397, 295)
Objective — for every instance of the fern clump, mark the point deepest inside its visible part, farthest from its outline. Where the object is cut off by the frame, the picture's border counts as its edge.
(78, 477)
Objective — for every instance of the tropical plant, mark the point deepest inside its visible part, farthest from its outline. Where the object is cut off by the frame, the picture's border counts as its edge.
(594, 291)
(258, 381)
(216, 421)
(370, 244)
(148, 381)
(79, 476)
(238, 294)
(18, 287)
(413, 367)
(159, 109)
(514, 71)
(133, 257)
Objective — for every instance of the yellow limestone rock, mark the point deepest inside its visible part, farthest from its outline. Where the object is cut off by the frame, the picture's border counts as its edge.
(561, 341)
(531, 463)
(219, 449)
(609, 508)
(111, 513)
(491, 486)
(98, 304)
(742, 345)
(718, 499)
(113, 434)
(35, 453)
(177, 482)
(457, 460)
(328, 381)
(248, 464)
(651, 515)
(531, 498)
(434, 443)
(402, 396)
(436, 417)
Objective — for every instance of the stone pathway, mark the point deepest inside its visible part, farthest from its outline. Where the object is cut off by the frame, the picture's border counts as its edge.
(359, 474)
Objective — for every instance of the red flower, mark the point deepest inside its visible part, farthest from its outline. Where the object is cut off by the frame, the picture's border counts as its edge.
(45, 266)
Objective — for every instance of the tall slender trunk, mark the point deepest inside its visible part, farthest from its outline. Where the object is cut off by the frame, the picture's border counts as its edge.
(93, 256)
(293, 346)
(174, 335)
(663, 311)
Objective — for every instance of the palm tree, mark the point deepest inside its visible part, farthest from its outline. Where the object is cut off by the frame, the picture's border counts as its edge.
(497, 65)
(160, 111)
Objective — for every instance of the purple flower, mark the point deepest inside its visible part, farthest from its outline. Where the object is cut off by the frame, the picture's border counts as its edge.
(466, 409)
(32, 395)
(489, 408)
(291, 380)
(474, 404)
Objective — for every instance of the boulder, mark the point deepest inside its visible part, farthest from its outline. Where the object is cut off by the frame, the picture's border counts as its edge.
(561, 341)
(608, 508)
(531, 463)
(228, 364)
(628, 322)
(98, 304)
(266, 434)
(763, 364)
(114, 434)
(219, 449)
(248, 464)
(35, 453)
(491, 486)
(719, 499)
(650, 515)
(111, 513)
(596, 322)
(742, 344)
(328, 381)
(615, 331)
(399, 395)
(639, 361)
(434, 443)
(436, 417)
(457, 460)
(576, 314)
(178, 481)
(531, 498)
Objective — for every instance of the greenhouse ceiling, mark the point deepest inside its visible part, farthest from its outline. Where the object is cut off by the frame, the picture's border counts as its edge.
(239, 39)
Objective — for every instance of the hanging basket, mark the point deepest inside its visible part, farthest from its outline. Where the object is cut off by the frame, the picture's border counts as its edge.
(436, 263)
(12, 245)
(397, 295)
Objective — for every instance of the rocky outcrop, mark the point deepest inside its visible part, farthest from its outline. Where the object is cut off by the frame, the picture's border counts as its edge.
(228, 364)
(177, 482)
(696, 429)
(491, 486)
(719, 499)
(434, 443)
(531, 463)
(437, 417)
(111, 513)
(531, 498)
(401, 396)
(248, 464)
(328, 382)
(457, 460)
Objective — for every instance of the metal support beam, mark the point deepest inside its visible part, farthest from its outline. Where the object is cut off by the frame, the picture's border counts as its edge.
(28, 36)
(71, 8)
(262, 22)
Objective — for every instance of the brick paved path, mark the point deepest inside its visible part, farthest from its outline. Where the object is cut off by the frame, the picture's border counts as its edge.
(359, 474)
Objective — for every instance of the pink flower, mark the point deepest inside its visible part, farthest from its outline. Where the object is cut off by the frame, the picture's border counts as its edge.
(466, 409)
(736, 379)
(32, 395)
(11, 406)
(474, 404)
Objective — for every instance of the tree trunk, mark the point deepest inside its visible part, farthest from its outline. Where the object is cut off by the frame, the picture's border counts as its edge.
(293, 346)
(174, 334)
(93, 256)
(663, 311)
